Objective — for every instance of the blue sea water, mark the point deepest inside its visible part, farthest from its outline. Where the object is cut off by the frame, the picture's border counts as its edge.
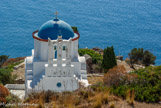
(125, 24)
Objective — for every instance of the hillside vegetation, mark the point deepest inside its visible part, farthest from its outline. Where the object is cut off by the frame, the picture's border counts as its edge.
(143, 84)
(96, 57)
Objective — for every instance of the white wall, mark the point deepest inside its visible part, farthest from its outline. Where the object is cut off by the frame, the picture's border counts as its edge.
(77, 68)
(38, 68)
(74, 49)
(50, 83)
(36, 48)
(29, 63)
(44, 51)
(41, 50)
(59, 71)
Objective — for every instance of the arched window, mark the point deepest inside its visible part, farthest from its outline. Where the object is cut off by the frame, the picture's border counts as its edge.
(64, 48)
(54, 47)
(55, 54)
(55, 50)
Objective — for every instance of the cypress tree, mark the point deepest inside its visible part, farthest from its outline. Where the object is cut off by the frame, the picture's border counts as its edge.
(113, 57)
(109, 60)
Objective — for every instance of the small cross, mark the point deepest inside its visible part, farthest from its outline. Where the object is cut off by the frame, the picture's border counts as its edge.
(56, 14)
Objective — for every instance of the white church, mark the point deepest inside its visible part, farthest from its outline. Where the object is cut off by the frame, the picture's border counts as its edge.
(55, 63)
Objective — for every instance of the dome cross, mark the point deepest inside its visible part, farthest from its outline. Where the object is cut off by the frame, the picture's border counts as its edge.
(56, 14)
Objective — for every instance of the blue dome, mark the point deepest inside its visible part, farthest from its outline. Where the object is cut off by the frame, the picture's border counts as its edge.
(52, 28)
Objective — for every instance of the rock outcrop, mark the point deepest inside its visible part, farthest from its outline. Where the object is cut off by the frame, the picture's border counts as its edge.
(91, 67)
(99, 50)
(89, 63)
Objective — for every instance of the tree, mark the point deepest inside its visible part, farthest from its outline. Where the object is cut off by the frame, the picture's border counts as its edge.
(139, 56)
(148, 58)
(109, 60)
(3, 58)
(133, 56)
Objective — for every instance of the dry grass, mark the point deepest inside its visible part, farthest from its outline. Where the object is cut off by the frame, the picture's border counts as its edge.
(83, 98)
(54, 105)
(97, 100)
(95, 79)
(105, 98)
(112, 105)
(97, 104)
(70, 101)
(100, 99)
(130, 96)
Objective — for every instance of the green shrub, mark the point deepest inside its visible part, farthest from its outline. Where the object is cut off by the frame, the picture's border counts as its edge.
(99, 87)
(5, 75)
(75, 29)
(96, 57)
(149, 84)
(12, 99)
(146, 86)
(120, 90)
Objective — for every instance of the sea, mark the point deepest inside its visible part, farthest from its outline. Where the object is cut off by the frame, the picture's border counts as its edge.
(124, 24)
